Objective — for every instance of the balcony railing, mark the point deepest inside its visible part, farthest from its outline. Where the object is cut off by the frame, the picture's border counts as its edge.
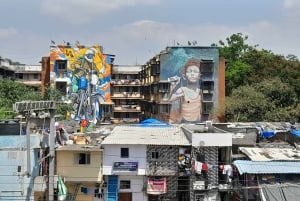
(126, 95)
(127, 108)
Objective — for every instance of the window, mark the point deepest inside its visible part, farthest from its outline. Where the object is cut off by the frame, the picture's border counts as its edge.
(83, 158)
(154, 154)
(207, 107)
(35, 76)
(124, 152)
(208, 85)
(19, 76)
(124, 184)
(62, 87)
(164, 109)
(207, 66)
(61, 65)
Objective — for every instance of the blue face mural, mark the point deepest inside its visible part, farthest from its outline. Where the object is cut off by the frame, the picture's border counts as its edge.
(184, 68)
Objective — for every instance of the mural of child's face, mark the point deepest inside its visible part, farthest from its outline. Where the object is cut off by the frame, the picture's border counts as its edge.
(192, 73)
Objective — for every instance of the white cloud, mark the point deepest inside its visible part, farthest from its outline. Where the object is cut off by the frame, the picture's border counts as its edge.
(291, 4)
(141, 40)
(8, 33)
(79, 11)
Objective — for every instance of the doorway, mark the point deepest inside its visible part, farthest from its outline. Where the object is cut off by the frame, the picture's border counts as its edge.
(125, 197)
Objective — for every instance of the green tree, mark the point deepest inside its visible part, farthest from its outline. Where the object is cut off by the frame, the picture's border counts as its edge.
(268, 100)
(280, 94)
(236, 75)
(246, 104)
(11, 92)
(234, 47)
(236, 69)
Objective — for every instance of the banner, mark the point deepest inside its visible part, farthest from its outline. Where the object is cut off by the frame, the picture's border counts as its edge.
(125, 166)
(157, 186)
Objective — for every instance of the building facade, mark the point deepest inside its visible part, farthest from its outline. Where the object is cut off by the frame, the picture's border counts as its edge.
(184, 84)
(140, 163)
(22, 168)
(80, 167)
(83, 75)
(30, 75)
(126, 94)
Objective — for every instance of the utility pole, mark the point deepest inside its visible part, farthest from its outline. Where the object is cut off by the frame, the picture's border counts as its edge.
(52, 156)
(28, 107)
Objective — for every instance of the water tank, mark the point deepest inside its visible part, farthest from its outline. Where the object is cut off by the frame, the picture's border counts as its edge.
(9, 127)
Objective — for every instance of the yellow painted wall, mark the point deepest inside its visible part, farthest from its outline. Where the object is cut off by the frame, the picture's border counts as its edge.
(67, 168)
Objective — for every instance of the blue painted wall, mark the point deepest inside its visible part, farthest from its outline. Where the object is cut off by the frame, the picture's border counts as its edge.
(16, 185)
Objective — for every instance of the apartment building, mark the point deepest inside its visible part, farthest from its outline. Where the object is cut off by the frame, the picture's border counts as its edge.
(130, 93)
(165, 75)
(30, 75)
(83, 75)
(126, 94)
(140, 162)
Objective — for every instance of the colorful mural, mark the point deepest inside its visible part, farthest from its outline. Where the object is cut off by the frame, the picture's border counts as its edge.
(87, 74)
(182, 68)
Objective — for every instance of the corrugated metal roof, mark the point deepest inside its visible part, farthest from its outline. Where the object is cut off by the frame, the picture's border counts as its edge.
(271, 154)
(270, 167)
(172, 135)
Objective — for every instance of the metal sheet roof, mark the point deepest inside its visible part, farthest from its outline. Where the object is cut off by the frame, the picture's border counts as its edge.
(271, 154)
(267, 167)
(172, 135)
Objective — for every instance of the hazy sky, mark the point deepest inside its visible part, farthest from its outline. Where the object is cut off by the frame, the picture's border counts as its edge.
(136, 30)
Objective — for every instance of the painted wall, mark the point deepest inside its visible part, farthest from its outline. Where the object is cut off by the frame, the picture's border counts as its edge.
(137, 184)
(186, 85)
(16, 185)
(111, 154)
(71, 171)
(87, 76)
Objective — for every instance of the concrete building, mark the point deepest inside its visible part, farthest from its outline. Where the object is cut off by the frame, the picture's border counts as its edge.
(30, 75)
(148, 88)
(126, 94)
(141, 162)
(210, 154)
(25, 161)
(83, 75)
(80, 166)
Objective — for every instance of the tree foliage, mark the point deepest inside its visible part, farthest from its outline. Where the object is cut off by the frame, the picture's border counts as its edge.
(11, 92)
(260, 85)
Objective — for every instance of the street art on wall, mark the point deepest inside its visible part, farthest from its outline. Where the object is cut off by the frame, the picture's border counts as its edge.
(181, 66)
(87, 74)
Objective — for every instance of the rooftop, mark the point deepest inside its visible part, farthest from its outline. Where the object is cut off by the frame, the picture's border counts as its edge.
(156, 135)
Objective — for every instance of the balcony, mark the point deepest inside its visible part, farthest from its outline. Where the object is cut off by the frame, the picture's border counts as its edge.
(125, 95)
(125, 82)
(127, 108)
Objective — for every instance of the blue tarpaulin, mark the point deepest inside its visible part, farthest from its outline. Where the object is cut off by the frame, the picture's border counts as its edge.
(295, 132)
(153, 122)
(267, 134)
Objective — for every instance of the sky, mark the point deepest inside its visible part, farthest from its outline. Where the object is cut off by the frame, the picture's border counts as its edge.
(136, 30)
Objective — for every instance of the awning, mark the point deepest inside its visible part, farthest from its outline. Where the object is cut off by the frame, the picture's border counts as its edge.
(267, 167)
